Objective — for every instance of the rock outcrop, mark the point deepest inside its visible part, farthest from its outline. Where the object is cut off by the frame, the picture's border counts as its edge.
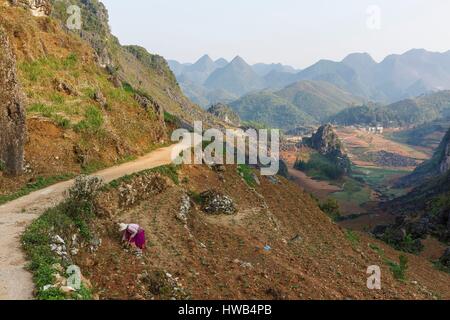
(225, 114)
(38, 8)
(445, 160)
(328, 144)
(148, 104)
(12, 112)
(216, 203)
(437, 166)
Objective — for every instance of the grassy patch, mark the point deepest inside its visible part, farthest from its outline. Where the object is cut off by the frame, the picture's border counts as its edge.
(40, 183)
(247, 174)
(169, 118)
(72, 216)
(49, 112)
(319, 167)
(36, 243)
(354, 192)
(93, 121)
(331, 208)
(352, 237)
(399, 269)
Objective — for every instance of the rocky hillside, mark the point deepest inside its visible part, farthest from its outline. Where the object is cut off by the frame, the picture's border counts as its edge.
(224, 113)
(90, 102)
(213, 234)
(426, 209)
(437, 166)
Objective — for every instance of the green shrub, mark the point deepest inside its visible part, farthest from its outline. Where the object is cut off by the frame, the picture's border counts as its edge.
(331, 208)
(93, 121)
(320, 167)
(247, 174)
(352, 237)
(399, 269)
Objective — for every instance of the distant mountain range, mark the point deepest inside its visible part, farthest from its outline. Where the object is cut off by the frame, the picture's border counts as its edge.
(397, 77)
(422, 109)
(207, 82)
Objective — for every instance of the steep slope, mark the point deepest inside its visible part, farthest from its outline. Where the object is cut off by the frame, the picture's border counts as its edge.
(133, 65)
(426, 209)
(90, 102)
(277, 245)
(438, 165)
(267, 108)
(237, 77)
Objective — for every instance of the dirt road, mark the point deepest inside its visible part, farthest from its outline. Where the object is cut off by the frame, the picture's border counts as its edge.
(15, 216)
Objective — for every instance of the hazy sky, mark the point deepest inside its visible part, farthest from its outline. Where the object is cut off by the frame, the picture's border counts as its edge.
(295, 32)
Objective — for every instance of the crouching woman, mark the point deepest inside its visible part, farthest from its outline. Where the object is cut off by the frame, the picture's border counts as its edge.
(133, 233)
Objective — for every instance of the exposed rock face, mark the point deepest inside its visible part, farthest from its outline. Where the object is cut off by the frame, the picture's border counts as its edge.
(12, 112)
(38, 8)
(327, 143)
(437, 166)
(225, 114)
(445, 162)
(148, 103)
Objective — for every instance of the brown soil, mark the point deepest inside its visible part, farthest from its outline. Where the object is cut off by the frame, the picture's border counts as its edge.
(223, 257)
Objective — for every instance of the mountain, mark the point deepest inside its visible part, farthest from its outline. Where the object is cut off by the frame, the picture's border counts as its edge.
(337, 74)
(312, 101)
(90, 101)
(363, 64)
(271, 110)
(177, 67)
(414, 72)
(438, 165)
(262, 69)
(426, 209)
(237, 78)
(200, 70)
(416, 111)
(279, 79)
(221, 62)
(213, 232)
(319, 99)
(397, 77)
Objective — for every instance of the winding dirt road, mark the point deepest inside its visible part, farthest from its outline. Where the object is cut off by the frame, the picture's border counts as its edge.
(15, 281)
